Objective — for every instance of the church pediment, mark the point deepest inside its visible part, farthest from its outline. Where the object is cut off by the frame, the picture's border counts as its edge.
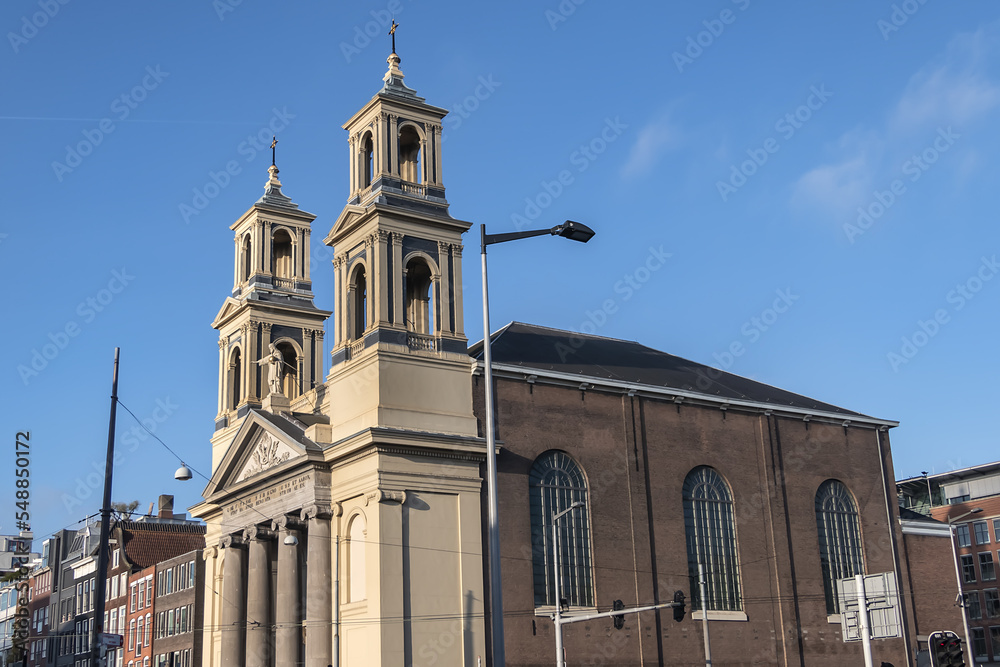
(260, 448)
(347, 218)
(230, 306)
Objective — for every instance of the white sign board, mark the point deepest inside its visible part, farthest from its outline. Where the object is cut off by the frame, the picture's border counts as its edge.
(883, 607)
(112, 641)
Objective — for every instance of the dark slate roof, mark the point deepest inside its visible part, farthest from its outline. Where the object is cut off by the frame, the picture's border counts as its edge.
(907, 514)
(544, 349)
(147, 544)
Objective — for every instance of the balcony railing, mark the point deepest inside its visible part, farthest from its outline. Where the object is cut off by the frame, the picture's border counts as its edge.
(417, 341)
(356, 348)
(285, 283)
(413, 188)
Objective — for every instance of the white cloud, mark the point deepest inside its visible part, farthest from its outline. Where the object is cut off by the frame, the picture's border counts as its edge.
(654, 140)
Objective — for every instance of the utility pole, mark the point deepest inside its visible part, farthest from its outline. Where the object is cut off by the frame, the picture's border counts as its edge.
(863, 622)
(704, 614)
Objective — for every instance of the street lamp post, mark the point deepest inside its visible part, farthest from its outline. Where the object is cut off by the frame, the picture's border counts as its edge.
(555, 563)
(958, 579)
(575, 232)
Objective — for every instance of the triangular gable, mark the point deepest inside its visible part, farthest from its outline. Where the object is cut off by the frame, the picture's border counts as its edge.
(347, 217)
(229, 307)
(257, 448)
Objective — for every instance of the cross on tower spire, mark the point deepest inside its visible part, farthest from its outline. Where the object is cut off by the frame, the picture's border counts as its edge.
(274, 142)
(392, 31)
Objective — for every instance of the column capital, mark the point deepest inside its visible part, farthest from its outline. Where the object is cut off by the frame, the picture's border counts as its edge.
(209, 553)
(317, 511)
(382, 496)
(286, 523)
(222, 343)
(397, 238)
(234, 541)
(258, 532)
(456, 249)
(443, 247)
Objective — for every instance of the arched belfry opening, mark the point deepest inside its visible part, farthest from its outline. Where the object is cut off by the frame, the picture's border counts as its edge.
(358, 300)
(246, 257)
(409, 154)
(281, 254)
(419, 297)
(368, 160)
(235, 384)
(290, 371)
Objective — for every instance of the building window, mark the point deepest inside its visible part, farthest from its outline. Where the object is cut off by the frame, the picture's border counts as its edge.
(986, 567)
(358, 300)
(246, 258)
(979, 644)
(367, 158)
(142, 595)
(555, 483)
(149, 622)
(281, 254)
(190, 574)
(116, 557)
(968, 569)
(962, 530)
(992, 603)
(982, 532)
(973, 605)
(995, 640)
(131, 598)
(138, 636)
(839, 538)
(409, 154)
(711, 540)
(419, 296)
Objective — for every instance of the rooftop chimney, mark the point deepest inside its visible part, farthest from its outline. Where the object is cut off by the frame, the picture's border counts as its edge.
(166, 507)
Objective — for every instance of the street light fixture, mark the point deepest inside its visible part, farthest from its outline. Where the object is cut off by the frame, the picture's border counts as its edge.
(560, 662)
(573, 231)
(958, 579)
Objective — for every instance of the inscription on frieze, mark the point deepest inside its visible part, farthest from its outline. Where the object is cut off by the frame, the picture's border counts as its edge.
(285, 496)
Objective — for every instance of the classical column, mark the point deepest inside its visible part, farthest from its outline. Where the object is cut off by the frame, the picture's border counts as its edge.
(444, 299)
(438, 171)
(318, 356)
(255, 245)
(371, 281)
(246, 387)
(397, 280)
(258, 596)
(268, 254)
(288, 611)
(456, 258)
(305, 368)
(306, 233)
(254, 372)
(236, 265)
(233, 627)
(394, 144)
(353, 164)
(425, 166)
(382, 279)
(265, 341)
(319, 609)
(222, 374)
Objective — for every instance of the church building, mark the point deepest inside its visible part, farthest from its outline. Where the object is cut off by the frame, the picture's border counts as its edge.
(346, 510)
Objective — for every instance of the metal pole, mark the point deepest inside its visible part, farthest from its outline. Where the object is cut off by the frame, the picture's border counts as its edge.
(496, 594)
(866, 641)
(704, 614)
(958, 579)
(558, 618)
(97, 626)
(336, 602)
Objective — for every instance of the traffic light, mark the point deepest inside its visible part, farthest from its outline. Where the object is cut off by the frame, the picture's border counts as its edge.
(620, 618)
(946, 650)
(680, 608)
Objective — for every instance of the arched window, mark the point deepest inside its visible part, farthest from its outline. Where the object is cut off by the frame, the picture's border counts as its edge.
(357, 533)
(409, 154)
(711, 540)
(419, 313)
(246, 258)
(358, 302)
(235, 376)
(367, 157)
(555, 483)
(281, 254)
(290, 371)
(839, 538)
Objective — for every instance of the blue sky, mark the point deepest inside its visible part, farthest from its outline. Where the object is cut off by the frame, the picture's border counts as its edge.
(837, 158)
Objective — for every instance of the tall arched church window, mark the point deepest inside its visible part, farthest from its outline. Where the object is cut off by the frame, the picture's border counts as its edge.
(356, 535)
(246, 258)
(358, 300)
(281, 254)
(555, 483)
(235, 376)
(409, 154)
(710, 529)
(367, 156)
(839, 538)
(419, 286)
(290, 370)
